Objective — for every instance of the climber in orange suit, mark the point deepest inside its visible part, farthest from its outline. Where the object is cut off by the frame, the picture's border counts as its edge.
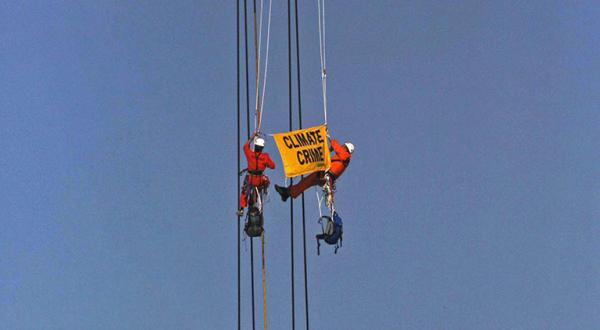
(339, 163)
(258, 161)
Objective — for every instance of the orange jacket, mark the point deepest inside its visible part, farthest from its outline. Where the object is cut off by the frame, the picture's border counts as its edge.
(339, 161)
(257, 162)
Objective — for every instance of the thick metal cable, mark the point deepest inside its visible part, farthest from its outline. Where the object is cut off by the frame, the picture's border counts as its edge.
(300, 126)
(247, 137)
(239, 318)
(291, 180)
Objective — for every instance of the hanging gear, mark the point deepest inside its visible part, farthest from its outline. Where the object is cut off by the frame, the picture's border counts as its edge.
(332, 232)
(328, 190)
(254, 223)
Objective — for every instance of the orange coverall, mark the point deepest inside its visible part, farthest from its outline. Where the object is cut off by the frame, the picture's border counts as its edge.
(257, 162)
(339, 163)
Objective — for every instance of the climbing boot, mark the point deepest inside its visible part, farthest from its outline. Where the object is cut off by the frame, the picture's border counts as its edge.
(283, 192)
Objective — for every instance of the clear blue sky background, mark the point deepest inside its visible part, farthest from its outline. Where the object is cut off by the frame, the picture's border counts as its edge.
(472, 201)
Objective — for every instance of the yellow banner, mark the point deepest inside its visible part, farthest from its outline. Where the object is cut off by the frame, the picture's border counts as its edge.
(303, 151)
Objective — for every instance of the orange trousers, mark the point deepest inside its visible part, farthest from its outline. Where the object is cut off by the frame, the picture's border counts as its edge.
(313, 179)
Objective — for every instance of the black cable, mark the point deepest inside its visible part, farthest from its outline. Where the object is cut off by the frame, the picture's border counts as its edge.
(291, 180)
(300, 126)
(247, 137)
(239, 318)
(252, 279)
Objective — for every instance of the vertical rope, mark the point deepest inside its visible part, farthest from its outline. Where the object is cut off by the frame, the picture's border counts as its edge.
(257, 67)
(239, 318)
(321, 9)
(303, 205)
(264, 87)
(291, 180)
(264, 280)
(246, 51)
(247, 137)
(252, 281)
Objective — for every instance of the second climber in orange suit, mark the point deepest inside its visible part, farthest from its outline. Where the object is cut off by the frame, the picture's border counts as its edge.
(258, 161)
(339, 163)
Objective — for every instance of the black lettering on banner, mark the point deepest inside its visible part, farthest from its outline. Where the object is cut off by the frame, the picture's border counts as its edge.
(300, 160)
(294, 143)
(301, 139)
(310, 138)
(319, 137)
(306, 156)
(314, 155)
(286, 141)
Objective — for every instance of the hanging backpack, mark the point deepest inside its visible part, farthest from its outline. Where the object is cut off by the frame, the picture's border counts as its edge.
(254, 223)
(332, 232)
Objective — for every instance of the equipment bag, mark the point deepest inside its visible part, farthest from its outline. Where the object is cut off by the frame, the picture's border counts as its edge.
(254, 223)
(332, 233)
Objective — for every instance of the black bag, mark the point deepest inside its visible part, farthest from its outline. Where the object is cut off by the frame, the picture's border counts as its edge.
(254, 223)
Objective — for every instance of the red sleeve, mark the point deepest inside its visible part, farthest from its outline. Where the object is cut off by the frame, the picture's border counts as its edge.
(339, 150)
(270, 163)
(247, 151)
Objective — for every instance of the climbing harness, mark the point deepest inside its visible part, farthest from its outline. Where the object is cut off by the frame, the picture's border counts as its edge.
(329, 189)
(327, 194)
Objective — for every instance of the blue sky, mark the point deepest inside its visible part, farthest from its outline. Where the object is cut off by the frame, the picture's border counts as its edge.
(472, 200)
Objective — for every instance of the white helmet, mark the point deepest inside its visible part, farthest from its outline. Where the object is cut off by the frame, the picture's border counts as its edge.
(350, 147)
(259, 142)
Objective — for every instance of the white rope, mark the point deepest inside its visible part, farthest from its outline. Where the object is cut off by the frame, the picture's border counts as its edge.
(321, 8)
(324, 44)
(320, 35)
(262, 101)
(260, 29)
(256, 100)
(319, 200)
(321, 20)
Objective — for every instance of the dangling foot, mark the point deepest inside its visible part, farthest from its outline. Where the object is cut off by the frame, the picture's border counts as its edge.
(283, 191)
(240, 212)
